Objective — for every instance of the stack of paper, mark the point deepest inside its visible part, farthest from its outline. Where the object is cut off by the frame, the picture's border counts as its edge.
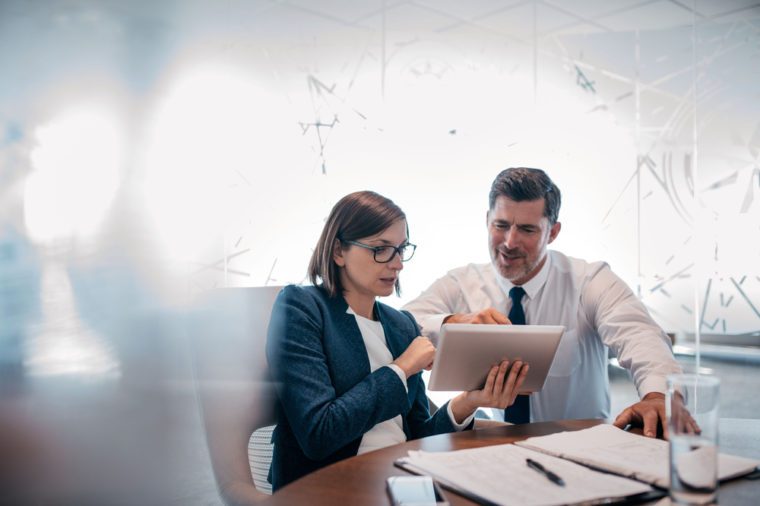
(499, 475)
(611, 449)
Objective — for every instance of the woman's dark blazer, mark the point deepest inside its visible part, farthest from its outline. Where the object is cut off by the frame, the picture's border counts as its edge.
(326, 396)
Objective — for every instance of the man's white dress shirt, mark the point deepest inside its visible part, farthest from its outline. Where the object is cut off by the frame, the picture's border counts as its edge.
(598, 311)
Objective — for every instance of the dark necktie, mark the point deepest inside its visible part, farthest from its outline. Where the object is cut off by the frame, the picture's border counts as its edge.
(519, 412)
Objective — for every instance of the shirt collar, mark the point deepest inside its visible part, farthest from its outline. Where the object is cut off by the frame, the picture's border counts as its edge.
(533, 286)
(350, 311)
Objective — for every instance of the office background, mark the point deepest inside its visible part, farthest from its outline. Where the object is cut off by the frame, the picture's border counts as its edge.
(150, 151)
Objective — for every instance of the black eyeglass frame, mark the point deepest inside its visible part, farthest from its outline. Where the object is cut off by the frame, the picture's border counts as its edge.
(398, 250)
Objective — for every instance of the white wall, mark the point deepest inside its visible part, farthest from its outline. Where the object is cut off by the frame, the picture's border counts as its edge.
(163, 138)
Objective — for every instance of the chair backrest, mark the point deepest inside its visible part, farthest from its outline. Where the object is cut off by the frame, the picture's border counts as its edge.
(260, 449)
(228, 330)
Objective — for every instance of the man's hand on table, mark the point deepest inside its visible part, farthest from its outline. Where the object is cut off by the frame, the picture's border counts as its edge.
(649, 412)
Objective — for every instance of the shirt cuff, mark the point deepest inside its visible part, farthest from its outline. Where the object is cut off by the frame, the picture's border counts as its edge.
(657, 380)
(431, 327)
(458, 426)
(657, 384)
(401, 375)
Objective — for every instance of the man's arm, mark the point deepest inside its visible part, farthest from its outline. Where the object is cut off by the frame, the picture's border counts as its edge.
(639, 343)
(441, 300)
(444, 302)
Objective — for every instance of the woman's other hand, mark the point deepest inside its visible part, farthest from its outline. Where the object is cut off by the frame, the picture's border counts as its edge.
(418, 356)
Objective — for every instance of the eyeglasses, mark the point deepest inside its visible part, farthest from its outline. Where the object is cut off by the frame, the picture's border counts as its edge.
(384, 254)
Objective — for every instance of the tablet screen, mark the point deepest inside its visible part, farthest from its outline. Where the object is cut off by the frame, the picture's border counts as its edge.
(466, 352)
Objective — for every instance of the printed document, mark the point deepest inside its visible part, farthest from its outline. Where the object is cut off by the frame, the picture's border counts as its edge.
(611, 449)
(499, 475)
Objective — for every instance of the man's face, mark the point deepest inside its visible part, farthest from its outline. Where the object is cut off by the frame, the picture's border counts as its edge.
(518, 233)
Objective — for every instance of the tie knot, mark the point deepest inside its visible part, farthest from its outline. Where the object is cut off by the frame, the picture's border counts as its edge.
(516, 294)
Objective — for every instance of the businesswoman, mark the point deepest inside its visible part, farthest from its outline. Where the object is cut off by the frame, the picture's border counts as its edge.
(348, 368)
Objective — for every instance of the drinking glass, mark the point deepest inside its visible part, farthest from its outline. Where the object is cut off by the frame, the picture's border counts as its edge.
(692, 411)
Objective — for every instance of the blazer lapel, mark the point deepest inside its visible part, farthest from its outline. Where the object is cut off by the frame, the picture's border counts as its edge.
(397, 342)
(348, 331)
(394, 336)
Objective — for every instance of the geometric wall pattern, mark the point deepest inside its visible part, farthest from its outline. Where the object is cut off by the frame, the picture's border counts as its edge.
(241, 123)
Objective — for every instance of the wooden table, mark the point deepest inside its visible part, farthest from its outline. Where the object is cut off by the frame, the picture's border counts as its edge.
(361, 479)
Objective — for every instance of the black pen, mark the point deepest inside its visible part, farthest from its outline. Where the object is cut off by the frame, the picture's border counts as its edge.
(541, 469)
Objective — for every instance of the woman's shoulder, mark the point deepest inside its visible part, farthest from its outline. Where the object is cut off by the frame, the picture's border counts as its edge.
(302, 292)
(307, 297)
(297, 305)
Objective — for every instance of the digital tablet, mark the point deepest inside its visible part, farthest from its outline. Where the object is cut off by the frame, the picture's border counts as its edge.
(466, 352)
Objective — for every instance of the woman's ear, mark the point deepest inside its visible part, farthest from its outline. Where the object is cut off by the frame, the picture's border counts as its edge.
(338, 254)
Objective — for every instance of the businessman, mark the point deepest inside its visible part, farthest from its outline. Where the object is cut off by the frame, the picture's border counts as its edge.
(526, 283)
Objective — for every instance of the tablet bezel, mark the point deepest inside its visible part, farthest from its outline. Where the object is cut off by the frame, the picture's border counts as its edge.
(465, 352)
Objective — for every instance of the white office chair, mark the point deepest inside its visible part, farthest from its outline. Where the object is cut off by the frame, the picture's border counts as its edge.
(229, 330)
(260, 450)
